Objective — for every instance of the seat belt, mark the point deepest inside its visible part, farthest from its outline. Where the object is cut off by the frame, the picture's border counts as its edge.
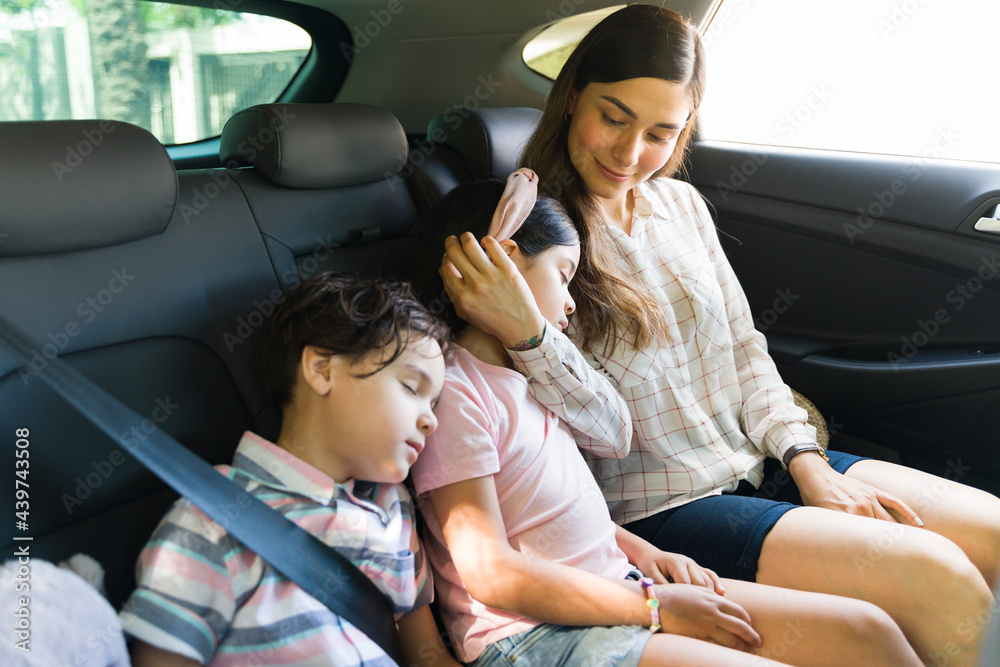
(301, 557)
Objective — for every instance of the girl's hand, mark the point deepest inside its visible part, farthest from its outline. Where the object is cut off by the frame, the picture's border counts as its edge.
(488, 291)
(697, 612)
(661, 566)
(664, 567)
(822, 486)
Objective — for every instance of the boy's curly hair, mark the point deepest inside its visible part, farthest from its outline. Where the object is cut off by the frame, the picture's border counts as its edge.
(345, 315)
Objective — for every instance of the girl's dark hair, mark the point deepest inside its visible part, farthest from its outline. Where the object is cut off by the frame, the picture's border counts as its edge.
(634, 42)
(344, 315)
(469, 208)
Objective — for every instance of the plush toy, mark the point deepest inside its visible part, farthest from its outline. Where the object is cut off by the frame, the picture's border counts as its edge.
(59, 617)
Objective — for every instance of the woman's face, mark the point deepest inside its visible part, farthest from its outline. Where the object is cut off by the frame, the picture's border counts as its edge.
(621, 133)
(548, 275)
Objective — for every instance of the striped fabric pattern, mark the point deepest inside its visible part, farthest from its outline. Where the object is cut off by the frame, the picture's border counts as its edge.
(203, 595)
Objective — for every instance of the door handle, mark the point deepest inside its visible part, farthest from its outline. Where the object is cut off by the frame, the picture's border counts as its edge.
(989, 222)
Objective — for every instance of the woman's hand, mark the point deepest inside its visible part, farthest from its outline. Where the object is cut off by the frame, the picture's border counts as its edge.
(488, 291)
(697, 612)
(822, 486)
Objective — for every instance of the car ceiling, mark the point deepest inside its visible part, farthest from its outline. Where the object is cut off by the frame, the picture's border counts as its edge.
(423, 58)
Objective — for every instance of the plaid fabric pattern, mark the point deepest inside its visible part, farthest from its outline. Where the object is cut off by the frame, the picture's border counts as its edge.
(708, 406)
(561, 380)
(205, 596)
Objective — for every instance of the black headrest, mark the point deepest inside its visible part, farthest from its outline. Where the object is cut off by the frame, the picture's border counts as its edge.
(77, 184)
(316, 145)
(490, 140)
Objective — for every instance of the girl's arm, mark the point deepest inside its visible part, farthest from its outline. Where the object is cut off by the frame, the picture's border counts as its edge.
(498, 576)
(488, 291)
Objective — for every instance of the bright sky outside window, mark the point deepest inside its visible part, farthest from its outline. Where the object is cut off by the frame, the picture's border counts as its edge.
(900, 77)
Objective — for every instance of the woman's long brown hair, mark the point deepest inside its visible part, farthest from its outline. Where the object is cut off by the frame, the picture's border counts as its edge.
(637, 41)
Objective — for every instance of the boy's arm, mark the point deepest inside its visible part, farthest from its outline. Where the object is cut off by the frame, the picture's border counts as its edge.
(186, 587)
(421, 640)
(147, 655)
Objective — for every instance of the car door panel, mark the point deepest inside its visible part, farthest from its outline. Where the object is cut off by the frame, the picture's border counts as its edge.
(879, 299)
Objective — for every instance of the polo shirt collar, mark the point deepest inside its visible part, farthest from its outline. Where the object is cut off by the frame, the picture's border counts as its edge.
(279, 469)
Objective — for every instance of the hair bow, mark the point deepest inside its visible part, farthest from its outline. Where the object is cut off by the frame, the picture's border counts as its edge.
(516, 203)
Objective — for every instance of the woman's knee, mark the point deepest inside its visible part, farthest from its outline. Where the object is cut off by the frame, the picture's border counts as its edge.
(873, 629)
(871, 622)
(947, 564)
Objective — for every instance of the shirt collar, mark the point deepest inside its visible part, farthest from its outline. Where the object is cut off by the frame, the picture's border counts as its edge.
(643, 205)
(281, 470)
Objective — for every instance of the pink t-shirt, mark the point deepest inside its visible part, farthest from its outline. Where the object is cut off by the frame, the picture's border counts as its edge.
(488, 424)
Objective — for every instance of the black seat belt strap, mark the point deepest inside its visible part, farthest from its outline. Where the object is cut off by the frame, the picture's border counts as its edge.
(316, 567)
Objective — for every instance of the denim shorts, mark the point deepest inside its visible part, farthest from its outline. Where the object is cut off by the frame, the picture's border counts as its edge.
(551, 645)
(726, 532)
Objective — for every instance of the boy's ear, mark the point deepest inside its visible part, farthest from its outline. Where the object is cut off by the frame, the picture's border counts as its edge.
(316, 368)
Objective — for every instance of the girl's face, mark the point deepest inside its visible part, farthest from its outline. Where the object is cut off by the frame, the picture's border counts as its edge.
(548, 275)
(621, 133)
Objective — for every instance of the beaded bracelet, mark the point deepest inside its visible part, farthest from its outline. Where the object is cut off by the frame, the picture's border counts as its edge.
(653, 603)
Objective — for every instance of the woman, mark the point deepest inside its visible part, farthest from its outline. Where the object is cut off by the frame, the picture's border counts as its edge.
(529, 567)
(660, 312)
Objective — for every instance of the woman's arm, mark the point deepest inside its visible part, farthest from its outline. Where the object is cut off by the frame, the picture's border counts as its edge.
(498, 576)
(770, 417)
(560, 378)
(489, 292)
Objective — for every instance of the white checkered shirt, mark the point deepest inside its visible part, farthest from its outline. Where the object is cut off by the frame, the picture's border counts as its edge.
(708, 406)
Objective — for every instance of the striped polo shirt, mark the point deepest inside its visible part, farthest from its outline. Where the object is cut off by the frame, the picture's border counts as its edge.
(204, 595)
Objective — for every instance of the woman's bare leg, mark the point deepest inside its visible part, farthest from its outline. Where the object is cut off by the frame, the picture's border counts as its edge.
(923, 580)
(967, 516)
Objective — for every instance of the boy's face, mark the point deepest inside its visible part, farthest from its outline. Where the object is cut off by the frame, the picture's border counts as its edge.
(380, 422)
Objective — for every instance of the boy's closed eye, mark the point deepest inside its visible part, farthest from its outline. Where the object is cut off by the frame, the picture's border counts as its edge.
(419, 382)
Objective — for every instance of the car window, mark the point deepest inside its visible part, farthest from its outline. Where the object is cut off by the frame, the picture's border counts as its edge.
(176, 70)
(899, 77)
(548, 51)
